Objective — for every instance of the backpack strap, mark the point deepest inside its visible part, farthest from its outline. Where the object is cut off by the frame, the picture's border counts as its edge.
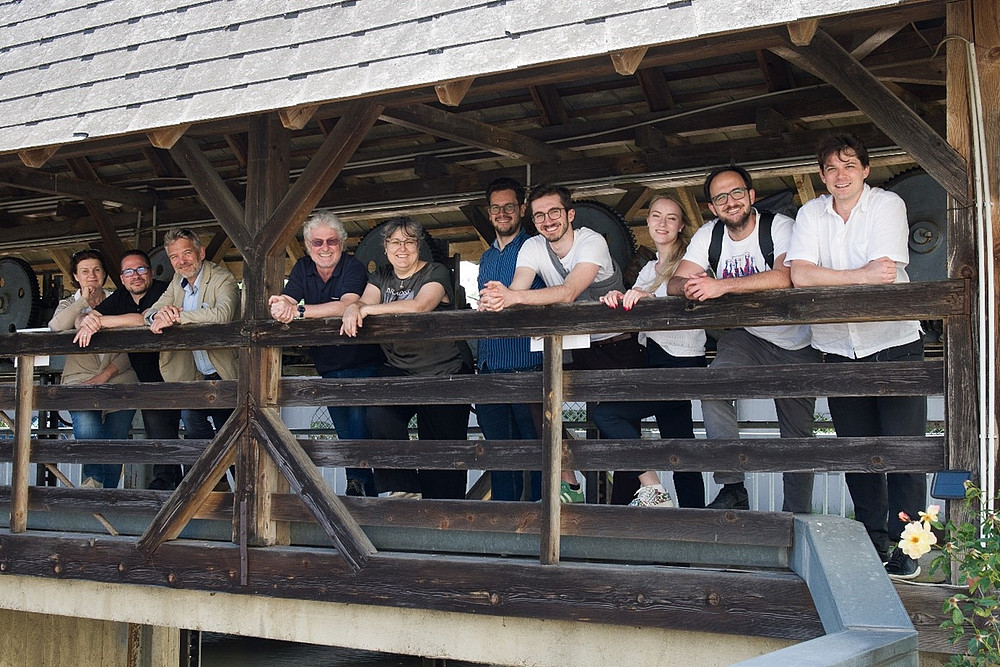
(764, 238)
(597, 289)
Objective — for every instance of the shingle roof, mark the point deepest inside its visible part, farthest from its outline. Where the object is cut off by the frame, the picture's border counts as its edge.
(71, 69)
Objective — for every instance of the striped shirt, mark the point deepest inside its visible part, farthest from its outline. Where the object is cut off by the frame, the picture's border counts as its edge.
(500, 355)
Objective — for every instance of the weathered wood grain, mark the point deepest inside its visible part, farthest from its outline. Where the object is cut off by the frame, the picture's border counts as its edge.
(21, 460)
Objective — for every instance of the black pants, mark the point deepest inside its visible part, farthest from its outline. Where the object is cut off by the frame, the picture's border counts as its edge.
(434, 422)
(163, 425)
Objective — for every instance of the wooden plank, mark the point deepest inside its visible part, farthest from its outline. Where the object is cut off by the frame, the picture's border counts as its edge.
(452, 93)
(324, 166)
(180, 395)
(820, 454)
(167, 137)
(802, 32)
(627, 62)
(755, 603)
(875, 40)
(37, 157)
(213, 191)
(549, 104)
(804, 186)
(552, 450)
(770, 123)
(688, 199)
(66, 186)
(218, 246)
(484, 227)
(655, 89)
(632, 202)
(113, 246)
(21, 464)
(451, 126)
(305, 480)
(195, 487)
(924, 605)
(825, 58)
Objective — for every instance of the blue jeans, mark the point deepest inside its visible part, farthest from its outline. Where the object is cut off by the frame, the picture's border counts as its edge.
(617, 420)
(879, 498)
(197, 426)
(351, 425)
(92, 425)
(509, 421)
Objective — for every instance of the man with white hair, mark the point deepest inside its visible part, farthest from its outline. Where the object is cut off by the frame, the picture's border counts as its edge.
(322, 284)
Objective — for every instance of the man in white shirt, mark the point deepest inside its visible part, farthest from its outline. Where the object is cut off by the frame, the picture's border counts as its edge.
(575, 265)
(858, 235)
(743, 250)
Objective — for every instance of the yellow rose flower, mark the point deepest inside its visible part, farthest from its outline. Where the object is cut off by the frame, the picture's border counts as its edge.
(916, 540)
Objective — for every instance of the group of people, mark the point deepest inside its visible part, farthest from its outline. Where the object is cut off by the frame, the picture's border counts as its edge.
(854, 235)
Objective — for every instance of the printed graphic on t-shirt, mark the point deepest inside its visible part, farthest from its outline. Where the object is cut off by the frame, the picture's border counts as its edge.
(391, 294)
(739, 266)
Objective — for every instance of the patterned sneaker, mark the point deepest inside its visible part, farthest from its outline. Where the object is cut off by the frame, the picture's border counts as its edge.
(650, 496)
(568, 494)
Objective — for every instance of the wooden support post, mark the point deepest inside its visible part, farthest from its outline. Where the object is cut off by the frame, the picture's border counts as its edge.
(689, 202)
(552, 463)
(804, 184)
(20, 477)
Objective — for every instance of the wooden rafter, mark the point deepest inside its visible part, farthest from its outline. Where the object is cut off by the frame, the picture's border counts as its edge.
(295, 118)
(475, 215)
(67, 186)
(825, 58)
(37, 157)
(632, 201)
(802, 32)
(474, 133)
(653, 83)
(627, 62)
(166, 137)
(804, 186)
(452, 93)
(689, 202)
(875, 40)
(113, 246)
(549, 104)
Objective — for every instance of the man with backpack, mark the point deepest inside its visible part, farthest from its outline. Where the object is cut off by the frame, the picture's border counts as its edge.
(743, 250)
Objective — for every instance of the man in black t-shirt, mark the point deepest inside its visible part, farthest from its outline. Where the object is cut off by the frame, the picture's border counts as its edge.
(124, 308)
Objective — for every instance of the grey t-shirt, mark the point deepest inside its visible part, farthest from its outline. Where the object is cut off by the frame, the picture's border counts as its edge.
(421, 357)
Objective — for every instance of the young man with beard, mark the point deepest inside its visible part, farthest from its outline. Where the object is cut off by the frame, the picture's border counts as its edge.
(507, 421)
(124, 308)
(575, 265)
(743, 250)
(323, 284)
(858, 235)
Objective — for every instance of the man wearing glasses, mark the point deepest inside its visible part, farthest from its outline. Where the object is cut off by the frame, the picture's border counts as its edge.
(507, 421)
(124, 308)
(743, 250)
(575, 265)
(322, 284)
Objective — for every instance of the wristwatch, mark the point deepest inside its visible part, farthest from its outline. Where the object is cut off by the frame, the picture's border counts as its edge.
(301, 312)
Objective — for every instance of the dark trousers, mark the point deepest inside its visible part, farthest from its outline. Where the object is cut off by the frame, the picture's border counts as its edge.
(879, 498)
(163, 425)
(623, 353)
(351, 424)
(617, 420)
(511, 421)
(434, 422)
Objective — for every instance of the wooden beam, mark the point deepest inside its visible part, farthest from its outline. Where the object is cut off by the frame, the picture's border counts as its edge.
(552, 449)
(62, 259)
(113, 246)
(549, 104)
(633, 201)
(452, 93)
(218, 246)
(875, 40)
(37, 157)
(294, 249)
(166, 137)
(627, 62)
(324, 166)
(825, 58)
(802, 32)
(238, 145)
(474, 133)
(195, 487)
(770, 123)
(776, 71)
(160, 162)
(480, 221)
(295, 118)
(804, 185)
(689, 202)
(21, 465)
(78, 188)
(305, 480)
(655, 89)
(217, 196)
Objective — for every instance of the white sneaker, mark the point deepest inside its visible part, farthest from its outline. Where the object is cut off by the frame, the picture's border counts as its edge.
(650, 496)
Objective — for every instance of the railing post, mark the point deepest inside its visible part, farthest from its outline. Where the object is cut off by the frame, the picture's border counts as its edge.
(20, 478)
(552, 405)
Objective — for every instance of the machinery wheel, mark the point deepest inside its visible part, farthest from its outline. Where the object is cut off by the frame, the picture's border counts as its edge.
(607, 222)
(160, 263)
(19, 298)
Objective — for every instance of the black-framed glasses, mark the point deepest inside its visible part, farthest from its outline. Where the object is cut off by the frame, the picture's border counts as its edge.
(736, 193)
(319, 243)
(551, 214)
(138, 271)
(495, 209)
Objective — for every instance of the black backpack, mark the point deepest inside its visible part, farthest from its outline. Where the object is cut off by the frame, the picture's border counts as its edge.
(764, 220)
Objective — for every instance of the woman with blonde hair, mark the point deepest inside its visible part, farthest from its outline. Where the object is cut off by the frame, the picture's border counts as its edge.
(664, 349)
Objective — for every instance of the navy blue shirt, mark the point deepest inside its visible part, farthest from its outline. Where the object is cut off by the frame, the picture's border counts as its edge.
(349, 277)
(145, 364)
(505, 354)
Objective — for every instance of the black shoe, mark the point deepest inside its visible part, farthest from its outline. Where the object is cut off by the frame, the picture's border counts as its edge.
(731, 497)
(355, 487)
(162, 485)
(901, 566)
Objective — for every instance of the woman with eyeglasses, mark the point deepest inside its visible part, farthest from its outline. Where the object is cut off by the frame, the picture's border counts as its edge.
(412, 285)
(664, 349)
(89, 275)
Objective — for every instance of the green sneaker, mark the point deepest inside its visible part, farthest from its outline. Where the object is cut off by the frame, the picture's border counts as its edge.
(568, 494)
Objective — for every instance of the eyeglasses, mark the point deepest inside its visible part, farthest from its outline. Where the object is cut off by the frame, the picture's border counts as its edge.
(138, 271)
(319, 243)
(495, 209)
(736, 193)
(396, 244)
(551, 214)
